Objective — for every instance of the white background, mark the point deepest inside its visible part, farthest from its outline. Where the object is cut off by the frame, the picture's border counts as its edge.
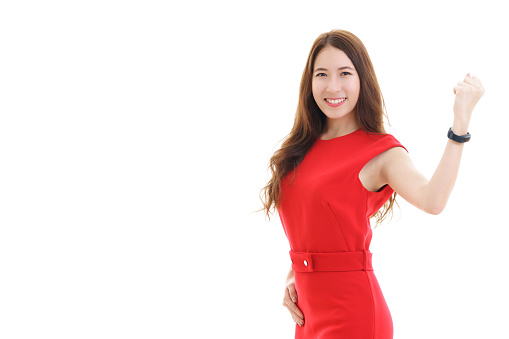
(135, 138)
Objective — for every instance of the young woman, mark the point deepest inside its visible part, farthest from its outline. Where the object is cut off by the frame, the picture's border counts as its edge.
(337, 169)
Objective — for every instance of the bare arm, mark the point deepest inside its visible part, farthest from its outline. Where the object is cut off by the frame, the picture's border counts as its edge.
(430, 196)
(397, 170)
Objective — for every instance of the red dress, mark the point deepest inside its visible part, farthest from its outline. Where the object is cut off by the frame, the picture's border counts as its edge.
(325, 215)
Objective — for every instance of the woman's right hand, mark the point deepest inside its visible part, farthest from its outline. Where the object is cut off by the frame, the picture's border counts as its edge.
(290, 300)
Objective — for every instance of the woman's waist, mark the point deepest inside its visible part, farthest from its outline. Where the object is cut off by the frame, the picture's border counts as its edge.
(331, 261)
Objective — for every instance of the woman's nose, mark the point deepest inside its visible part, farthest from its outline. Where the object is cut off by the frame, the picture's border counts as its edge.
(334, 85)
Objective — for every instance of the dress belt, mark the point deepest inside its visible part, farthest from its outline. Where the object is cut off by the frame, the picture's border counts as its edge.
(331, 262)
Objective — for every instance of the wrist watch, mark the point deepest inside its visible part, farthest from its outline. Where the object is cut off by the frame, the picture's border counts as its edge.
(458, 138)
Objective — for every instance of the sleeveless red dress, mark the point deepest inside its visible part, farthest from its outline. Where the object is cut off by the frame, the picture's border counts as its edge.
(325, 215)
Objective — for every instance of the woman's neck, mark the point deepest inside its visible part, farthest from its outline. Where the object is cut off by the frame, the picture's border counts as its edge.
(338, 127)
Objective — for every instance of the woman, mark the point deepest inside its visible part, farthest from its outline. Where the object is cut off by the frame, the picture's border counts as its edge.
(337, 169)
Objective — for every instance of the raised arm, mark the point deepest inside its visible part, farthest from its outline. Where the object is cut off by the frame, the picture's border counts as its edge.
(397, 169)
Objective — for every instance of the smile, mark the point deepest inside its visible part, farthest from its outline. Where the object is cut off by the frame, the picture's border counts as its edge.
(335, 102)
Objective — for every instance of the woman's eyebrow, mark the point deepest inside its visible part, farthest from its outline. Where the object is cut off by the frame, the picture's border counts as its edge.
(340, 68)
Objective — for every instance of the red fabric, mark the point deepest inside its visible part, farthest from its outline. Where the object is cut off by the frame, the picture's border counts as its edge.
(326, 210)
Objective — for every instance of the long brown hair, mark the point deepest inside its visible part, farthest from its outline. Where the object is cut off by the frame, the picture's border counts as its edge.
(310, 121)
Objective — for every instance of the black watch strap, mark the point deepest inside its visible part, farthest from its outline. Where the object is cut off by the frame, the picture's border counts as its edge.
(458, 138)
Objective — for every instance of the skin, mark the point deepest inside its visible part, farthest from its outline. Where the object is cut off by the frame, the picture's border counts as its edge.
(394, 166)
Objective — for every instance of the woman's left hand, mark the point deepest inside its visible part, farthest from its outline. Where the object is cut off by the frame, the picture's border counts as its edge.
(468, 92)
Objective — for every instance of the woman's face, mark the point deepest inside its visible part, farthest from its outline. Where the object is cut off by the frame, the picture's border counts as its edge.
(335, 83)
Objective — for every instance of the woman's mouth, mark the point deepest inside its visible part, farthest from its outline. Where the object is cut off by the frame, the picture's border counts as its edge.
(335, 102)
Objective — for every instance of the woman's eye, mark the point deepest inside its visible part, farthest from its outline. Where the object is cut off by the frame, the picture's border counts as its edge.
(319, 75)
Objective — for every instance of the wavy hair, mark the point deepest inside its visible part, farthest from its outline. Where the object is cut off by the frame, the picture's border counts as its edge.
(310, 121)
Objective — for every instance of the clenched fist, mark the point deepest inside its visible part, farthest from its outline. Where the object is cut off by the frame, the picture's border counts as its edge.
(468, 92)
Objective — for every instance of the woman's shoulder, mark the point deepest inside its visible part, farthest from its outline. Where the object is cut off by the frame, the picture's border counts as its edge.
(381, 141)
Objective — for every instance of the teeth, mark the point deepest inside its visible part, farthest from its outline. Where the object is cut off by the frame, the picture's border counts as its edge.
(337, 101)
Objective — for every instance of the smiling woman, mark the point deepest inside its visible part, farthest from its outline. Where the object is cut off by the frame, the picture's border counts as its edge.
(335, 171)
(339, 87)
